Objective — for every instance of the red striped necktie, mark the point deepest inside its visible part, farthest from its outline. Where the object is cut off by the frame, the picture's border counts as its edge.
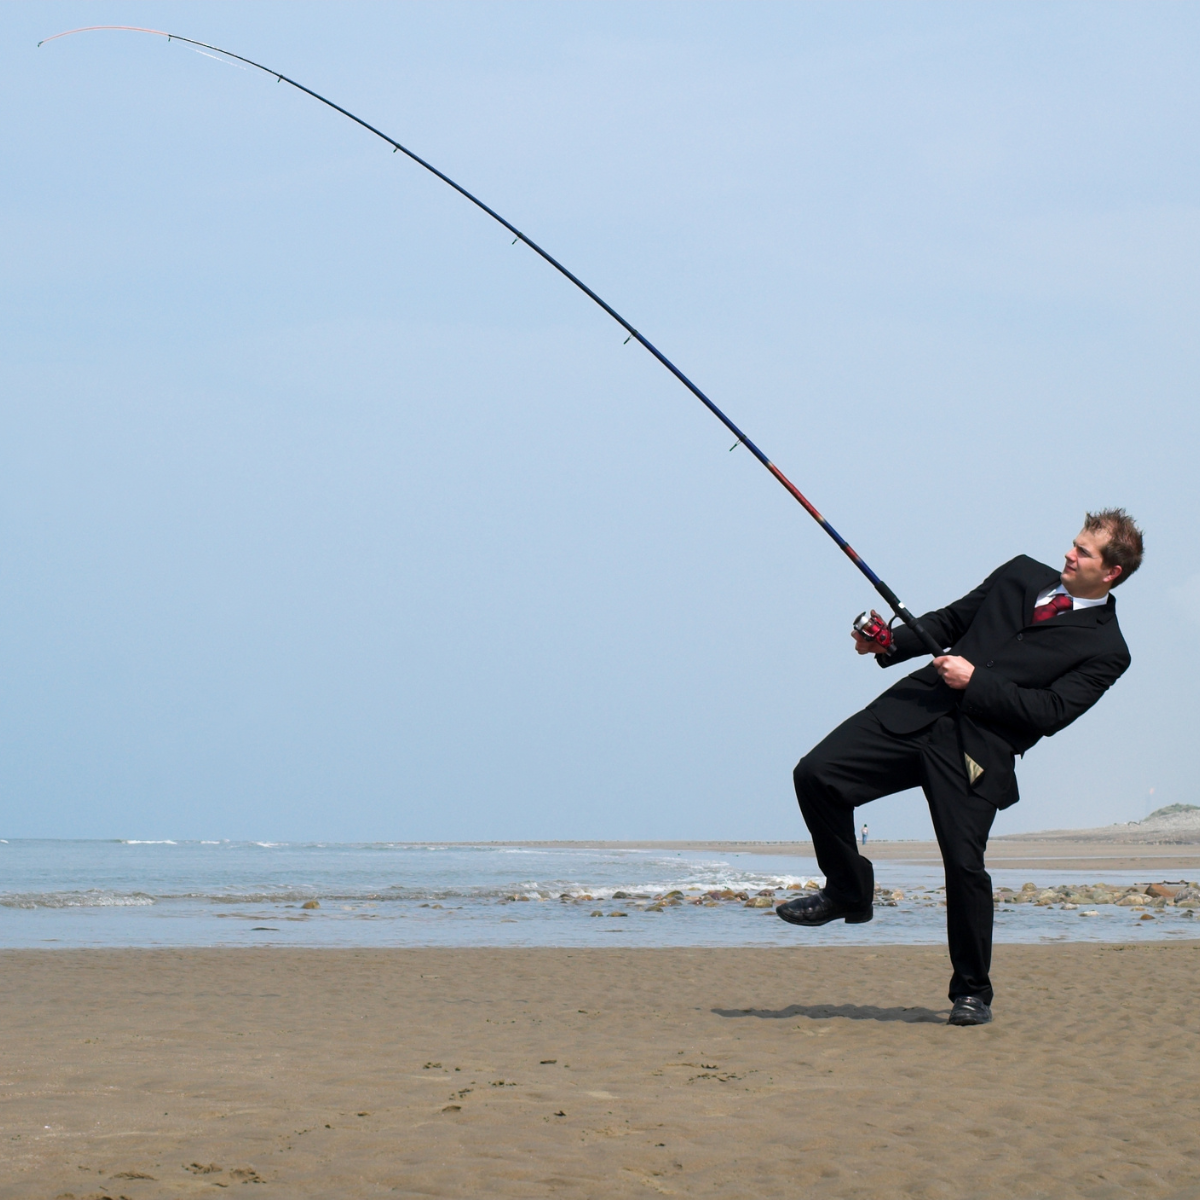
(1056, 604)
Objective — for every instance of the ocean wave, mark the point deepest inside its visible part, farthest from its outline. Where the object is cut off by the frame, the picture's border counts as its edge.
(560, 889)
(399, 894)
(88, 899)
(147, 842)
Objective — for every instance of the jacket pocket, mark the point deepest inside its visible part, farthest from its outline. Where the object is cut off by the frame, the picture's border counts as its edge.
(998, 783)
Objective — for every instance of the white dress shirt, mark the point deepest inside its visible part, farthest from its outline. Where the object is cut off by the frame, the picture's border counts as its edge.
(1077, 602)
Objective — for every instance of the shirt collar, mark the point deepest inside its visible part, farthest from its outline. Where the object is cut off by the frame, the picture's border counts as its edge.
(1077, 602)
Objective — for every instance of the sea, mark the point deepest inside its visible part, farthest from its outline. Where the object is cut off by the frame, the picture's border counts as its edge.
(61, 893)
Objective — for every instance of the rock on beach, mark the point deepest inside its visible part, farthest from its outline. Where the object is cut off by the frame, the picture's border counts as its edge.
(1180, 894)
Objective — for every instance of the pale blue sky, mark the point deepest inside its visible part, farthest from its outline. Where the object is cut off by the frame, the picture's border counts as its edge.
(327, 513)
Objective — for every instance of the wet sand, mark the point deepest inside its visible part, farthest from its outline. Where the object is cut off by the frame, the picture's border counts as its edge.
(597, 1073)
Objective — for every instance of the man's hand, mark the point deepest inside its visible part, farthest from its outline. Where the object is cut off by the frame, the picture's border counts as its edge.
(956, 672)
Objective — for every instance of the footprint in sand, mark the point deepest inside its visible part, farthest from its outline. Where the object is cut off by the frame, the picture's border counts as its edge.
(89, 1196)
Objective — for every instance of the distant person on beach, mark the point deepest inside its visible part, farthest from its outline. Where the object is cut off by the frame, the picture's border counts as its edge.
(864, 833)
(1029, 650)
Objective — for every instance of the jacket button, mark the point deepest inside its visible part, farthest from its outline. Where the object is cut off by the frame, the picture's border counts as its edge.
(990, 661)
(1020, 637)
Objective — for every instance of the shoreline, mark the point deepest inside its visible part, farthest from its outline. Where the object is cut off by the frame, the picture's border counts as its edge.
(682, 893)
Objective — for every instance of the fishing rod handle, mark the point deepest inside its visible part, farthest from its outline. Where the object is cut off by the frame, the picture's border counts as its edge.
(901, 610)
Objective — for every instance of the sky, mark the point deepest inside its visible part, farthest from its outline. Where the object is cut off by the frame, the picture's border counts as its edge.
(328, 513)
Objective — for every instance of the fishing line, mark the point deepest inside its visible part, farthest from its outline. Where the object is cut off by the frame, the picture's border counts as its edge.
(890, 597)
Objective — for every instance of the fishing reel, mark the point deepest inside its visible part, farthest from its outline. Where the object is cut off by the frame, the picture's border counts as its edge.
(875, 629)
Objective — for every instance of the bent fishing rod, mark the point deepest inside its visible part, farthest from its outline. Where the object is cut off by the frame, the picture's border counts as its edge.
(873, 629)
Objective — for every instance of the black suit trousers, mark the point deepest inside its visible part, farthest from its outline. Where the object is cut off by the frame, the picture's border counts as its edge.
(861, 761)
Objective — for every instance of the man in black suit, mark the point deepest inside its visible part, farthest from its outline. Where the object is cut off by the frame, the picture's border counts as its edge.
(1029, 650)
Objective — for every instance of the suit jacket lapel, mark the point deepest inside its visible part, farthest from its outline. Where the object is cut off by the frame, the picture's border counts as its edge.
(1032, 592)
(1074, 616)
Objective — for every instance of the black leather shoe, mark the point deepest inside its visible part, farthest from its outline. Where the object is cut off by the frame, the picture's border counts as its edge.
(819, 909)
(969, 1010)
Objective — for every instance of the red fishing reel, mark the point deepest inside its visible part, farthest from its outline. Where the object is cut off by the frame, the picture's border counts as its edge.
(875, 629)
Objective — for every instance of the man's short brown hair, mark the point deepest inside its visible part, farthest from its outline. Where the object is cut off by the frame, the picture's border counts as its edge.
(1124, 547)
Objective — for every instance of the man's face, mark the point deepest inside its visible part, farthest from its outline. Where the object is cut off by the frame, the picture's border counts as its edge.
(1084, 573)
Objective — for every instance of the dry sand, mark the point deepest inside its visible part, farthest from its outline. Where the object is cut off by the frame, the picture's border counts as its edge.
(741, 1073)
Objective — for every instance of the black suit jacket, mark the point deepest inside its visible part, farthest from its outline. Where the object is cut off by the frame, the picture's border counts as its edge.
(1030, 680)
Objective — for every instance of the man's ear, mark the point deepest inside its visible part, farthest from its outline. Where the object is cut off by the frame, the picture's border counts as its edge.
(1114, 573)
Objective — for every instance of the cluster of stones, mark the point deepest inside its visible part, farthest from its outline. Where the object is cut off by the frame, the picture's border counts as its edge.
(1181, 895)
(764, 899)
(661, 901)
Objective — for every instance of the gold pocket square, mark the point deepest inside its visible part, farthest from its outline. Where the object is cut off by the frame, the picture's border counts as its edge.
(974, 770)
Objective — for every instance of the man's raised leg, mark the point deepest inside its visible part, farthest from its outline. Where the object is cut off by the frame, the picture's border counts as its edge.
(858, 762)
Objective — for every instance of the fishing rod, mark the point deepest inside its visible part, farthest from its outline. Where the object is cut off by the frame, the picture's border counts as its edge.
(873, 628)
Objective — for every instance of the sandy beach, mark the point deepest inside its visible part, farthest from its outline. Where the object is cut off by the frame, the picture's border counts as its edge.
(597, 1073)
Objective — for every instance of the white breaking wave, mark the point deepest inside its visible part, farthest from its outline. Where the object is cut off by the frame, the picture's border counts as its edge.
(89, 899)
